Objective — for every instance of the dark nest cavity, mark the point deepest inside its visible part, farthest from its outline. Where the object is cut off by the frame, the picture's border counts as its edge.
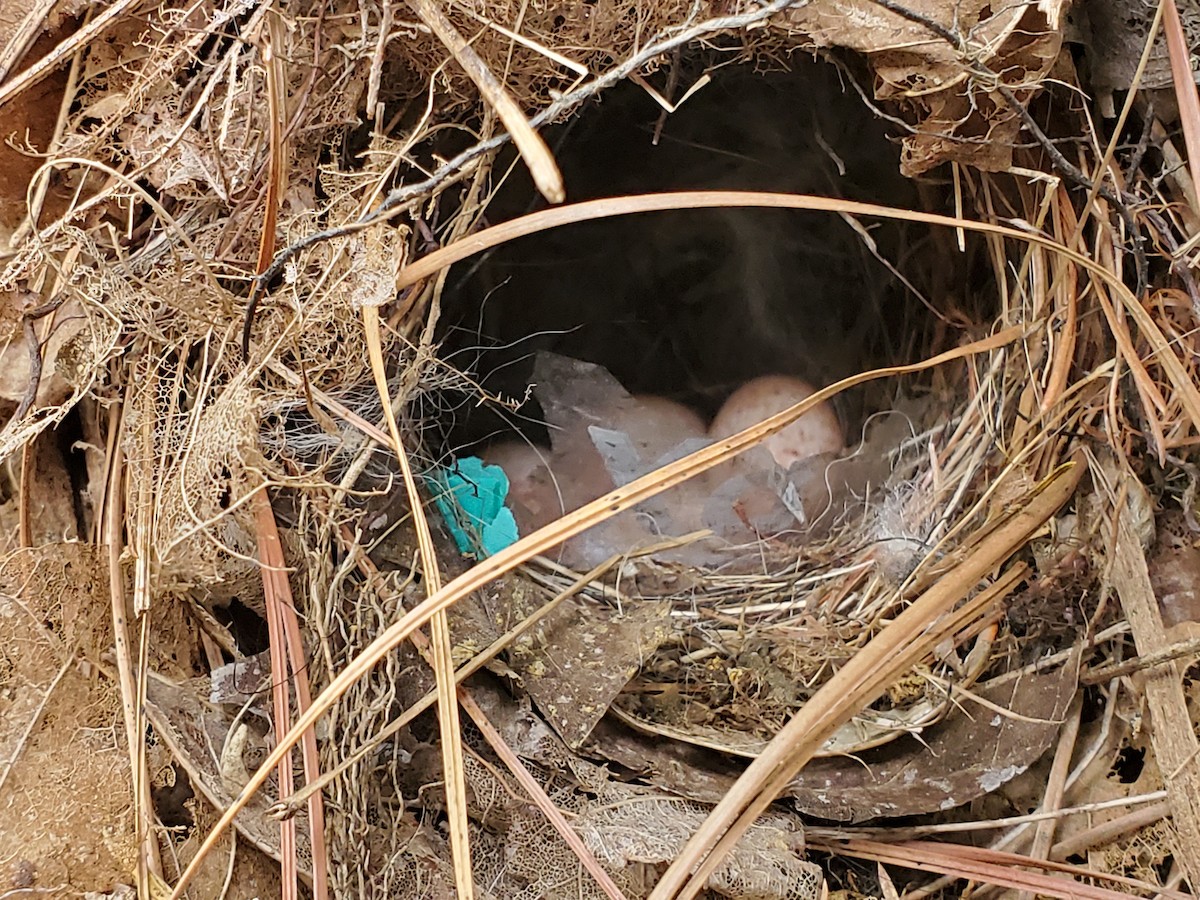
(689, 304)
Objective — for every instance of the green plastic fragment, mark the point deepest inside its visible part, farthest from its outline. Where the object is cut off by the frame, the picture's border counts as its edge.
(470, 496)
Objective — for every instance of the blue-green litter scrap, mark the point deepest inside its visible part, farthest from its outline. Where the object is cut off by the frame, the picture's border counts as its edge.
(471, 496)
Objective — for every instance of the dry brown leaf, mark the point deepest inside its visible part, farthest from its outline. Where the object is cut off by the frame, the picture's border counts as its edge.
(959, 120)
(196, 731)
(972, 752)
(577, 661)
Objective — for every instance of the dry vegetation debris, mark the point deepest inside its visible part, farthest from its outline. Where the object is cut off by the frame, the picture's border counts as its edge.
(226, 230)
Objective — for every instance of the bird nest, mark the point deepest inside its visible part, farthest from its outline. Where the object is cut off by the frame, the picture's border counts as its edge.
(294, 253)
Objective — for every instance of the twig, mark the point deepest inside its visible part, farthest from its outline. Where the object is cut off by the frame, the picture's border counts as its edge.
(24, 36)
(1073, 174)
(51, 61)
(1043, 838)
(912, 831)
(1109, 831)
(1151, 660)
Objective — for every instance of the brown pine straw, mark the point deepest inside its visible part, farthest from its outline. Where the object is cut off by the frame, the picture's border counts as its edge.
(272, 566)
(993, 867)
(453, 775)
(287, 654)
(283, 626)
(1185, 83)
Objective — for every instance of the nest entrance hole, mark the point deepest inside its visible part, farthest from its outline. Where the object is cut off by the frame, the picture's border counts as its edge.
(689, 304)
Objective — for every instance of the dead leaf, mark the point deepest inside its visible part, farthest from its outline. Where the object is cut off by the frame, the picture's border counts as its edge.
(579, 658)
(954, 762)
(196, 731)
(958, 118)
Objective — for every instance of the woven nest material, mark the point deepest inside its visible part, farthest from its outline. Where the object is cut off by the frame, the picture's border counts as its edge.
(135, 270)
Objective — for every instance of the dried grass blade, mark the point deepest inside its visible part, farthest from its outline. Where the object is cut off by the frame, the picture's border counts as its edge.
(529, 143)
(1189, 394)
(609, 207)
(23, 36)
(281, 609)
(868, 673)
(1185, 84)
(277, 113)
(1066, 295)
(52, 60)
(528, 547)
(131, 686)
(443, 663)
(989, 867)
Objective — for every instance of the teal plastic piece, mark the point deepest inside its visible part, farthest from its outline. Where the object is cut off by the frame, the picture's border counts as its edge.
(470, 496)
